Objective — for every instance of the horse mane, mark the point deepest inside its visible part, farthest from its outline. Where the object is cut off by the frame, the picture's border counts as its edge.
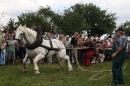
(31, 32)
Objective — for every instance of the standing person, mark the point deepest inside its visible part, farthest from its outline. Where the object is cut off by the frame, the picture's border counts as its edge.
(6, 37)
(1, 39)
(3, 52)
(119, 56)
(67, 44)
(73, 44)
(79, 45)
(61, 39)
(11, 49)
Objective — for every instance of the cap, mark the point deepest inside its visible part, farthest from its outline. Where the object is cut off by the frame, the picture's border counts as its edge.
(10, 35)
(121, 30)
(67, 35)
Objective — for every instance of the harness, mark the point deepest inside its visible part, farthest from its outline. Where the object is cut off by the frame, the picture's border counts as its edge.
(38, 43)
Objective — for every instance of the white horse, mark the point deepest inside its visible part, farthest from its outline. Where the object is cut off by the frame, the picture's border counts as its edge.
(24, 34)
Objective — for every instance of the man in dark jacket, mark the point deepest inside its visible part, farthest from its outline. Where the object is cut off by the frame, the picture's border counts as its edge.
(73, 44)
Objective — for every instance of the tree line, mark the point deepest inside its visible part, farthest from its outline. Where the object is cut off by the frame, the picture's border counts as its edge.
(77, 18)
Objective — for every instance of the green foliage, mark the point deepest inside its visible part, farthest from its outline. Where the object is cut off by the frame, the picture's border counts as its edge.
(45, 11)
(41, 17)
(72, 22)
(98, 21)
(76, 18)
(31, 18)
(46, 15)
(87, 17)
(126, 27)
(11, 75)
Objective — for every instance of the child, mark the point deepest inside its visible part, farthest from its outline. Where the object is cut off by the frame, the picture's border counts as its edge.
(11, 49)
(3, 52)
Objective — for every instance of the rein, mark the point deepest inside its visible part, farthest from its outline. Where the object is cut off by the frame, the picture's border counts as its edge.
(20, 40)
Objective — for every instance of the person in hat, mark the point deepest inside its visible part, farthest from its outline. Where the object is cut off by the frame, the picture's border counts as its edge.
(119, 56)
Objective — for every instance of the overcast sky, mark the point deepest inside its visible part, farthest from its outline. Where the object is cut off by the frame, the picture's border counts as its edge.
(13, 8)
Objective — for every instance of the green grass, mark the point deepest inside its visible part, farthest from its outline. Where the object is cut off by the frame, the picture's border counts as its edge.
(11, 75)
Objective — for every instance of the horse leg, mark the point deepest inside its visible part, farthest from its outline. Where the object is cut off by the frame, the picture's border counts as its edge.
(63, 55)
(36, 59)
(68, 60)
(60, 62)
(25, 63)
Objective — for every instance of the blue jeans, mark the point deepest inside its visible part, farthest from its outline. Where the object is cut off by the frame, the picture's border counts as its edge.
(2, 58)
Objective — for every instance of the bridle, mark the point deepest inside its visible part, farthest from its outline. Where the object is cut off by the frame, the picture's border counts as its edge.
(20, 40)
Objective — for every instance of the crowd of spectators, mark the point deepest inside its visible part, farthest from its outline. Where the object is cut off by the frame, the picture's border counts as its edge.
(10, 53)
(88, 50)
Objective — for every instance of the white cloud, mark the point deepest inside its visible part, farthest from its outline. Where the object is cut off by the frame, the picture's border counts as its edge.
(13, 8)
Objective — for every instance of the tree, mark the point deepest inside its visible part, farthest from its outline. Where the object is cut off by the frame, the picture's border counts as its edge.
(126, 27)
(76, 18)
(47, 15)
(57, 20)
(70, 21)
(31, 18)
(87, 17)
(98, 21)
(40, 17)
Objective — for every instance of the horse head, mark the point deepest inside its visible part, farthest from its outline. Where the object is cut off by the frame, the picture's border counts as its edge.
(24, 34)
(20, 34)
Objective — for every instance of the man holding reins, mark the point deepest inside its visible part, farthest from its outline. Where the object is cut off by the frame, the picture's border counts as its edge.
(119, 56)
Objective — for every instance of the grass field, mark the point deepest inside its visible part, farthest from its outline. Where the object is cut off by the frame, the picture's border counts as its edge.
(11, 75)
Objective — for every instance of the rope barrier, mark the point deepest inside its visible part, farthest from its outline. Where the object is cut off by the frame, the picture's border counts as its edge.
(77, 48)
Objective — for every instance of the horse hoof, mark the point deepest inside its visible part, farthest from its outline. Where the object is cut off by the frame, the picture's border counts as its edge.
(70, 69)
(24, 71)
(58, 67)
(37, 73)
